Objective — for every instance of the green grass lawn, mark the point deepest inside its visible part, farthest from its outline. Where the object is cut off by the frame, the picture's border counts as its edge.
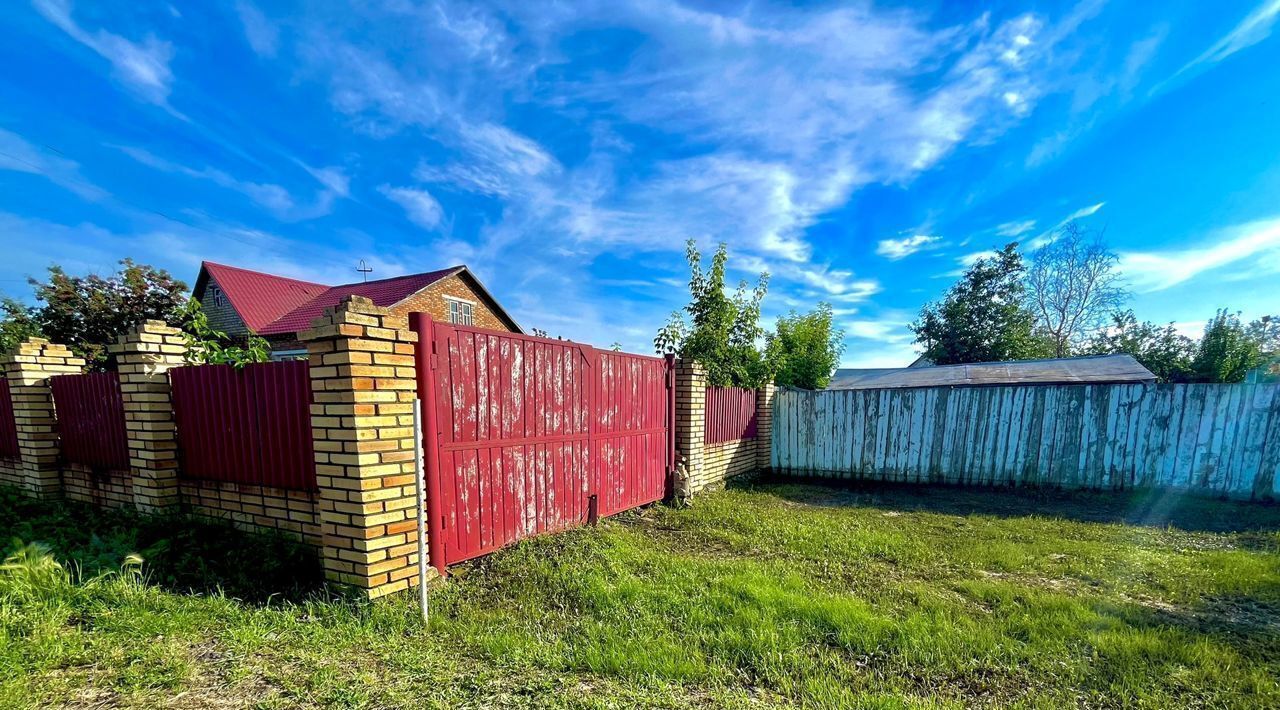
(760, 596)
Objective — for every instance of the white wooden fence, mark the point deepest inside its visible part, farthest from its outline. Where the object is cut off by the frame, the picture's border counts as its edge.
(1221, 439)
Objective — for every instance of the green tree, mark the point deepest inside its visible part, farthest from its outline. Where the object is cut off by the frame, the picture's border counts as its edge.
(804, 349)
(88, 313)
(17, 323)
(1227, 351)
(1266, 331)
(722, 330)
(983, 317)
(209, 346)
(1160, 349)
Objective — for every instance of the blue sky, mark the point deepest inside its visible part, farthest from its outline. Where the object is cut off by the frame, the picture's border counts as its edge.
(861, 152)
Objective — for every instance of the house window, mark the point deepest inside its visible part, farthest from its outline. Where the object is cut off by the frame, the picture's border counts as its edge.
(461, 312)
(215, 295)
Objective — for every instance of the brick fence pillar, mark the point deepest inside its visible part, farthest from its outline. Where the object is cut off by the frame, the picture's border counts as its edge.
(764, 426)
(362, 391)
(691, 398)
(28, 370)
(144, 357)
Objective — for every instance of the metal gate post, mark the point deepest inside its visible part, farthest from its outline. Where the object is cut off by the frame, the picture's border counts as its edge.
(592, 358)
(424, 365)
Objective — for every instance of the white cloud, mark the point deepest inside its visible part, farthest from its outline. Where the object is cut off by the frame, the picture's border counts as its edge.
(1049, 235)
(143, 67)
(1158, 270)
(880, 355)
(1015, 229)
(972, 258)
(19, 155)
(421, 208)
(744, 158)
(888, 329)
(900, 248)
(1083, 212)
(1252, 29)
(275, 198)
(262, 34)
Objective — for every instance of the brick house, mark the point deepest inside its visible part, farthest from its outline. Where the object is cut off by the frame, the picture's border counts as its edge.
(241, 302)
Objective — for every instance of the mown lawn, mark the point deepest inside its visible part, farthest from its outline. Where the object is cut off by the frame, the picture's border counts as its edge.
(760, 596)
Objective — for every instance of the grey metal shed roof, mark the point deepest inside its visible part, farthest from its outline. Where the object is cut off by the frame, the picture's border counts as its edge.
(1095, 369)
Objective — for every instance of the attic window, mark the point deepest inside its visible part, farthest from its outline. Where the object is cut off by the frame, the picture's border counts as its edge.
(215, 295)
(461, 312)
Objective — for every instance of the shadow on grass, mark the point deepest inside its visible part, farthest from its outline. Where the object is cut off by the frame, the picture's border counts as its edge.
(1153, 508)
(180, 553)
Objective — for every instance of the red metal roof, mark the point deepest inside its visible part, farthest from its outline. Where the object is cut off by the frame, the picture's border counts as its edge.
(384, 292)
(261, 298)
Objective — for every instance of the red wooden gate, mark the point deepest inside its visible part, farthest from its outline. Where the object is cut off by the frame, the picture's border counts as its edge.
(528, 435)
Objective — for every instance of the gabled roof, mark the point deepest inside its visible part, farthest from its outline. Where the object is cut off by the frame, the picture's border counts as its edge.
(383, 292)
(259, 298)
(275, 305)
(1096, 369)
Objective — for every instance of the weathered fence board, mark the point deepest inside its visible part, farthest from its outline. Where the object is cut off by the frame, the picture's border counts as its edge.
(1222, 439)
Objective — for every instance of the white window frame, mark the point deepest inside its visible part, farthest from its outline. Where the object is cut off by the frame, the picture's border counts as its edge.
(461, 311)
(219, 299)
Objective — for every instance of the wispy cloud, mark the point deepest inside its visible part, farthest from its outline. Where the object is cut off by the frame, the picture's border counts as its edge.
(1254, 28)
(275, 198)
(1049, 235)
(1087, 211)
(18, 154)
(895, 249)
(1258, 241)
(748, 159)
(143, 67)
(1015, 229)
(421, 208)
(262, 34)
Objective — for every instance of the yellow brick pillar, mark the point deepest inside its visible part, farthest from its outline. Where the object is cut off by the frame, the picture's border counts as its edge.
(28, 370)
(144, 357)
(691, 399)
(362, 391)
(764, 426)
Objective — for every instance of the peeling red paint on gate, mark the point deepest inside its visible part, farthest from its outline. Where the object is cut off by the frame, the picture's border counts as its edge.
(527, 430)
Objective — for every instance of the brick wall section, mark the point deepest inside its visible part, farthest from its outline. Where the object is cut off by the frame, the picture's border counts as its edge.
(764, 426)
(691, 399)
(362, 388)
(251, 507)
(144, 357)
(105, 489)
(723, 461)
(432, 300)
(28, 369)
(708, 466)
(11, 471)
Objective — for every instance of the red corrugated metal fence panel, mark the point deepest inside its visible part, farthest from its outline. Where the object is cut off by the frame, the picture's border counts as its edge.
(730, 415)
(90, 415)
(8, 428)
(251, 425)
(524, 443)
